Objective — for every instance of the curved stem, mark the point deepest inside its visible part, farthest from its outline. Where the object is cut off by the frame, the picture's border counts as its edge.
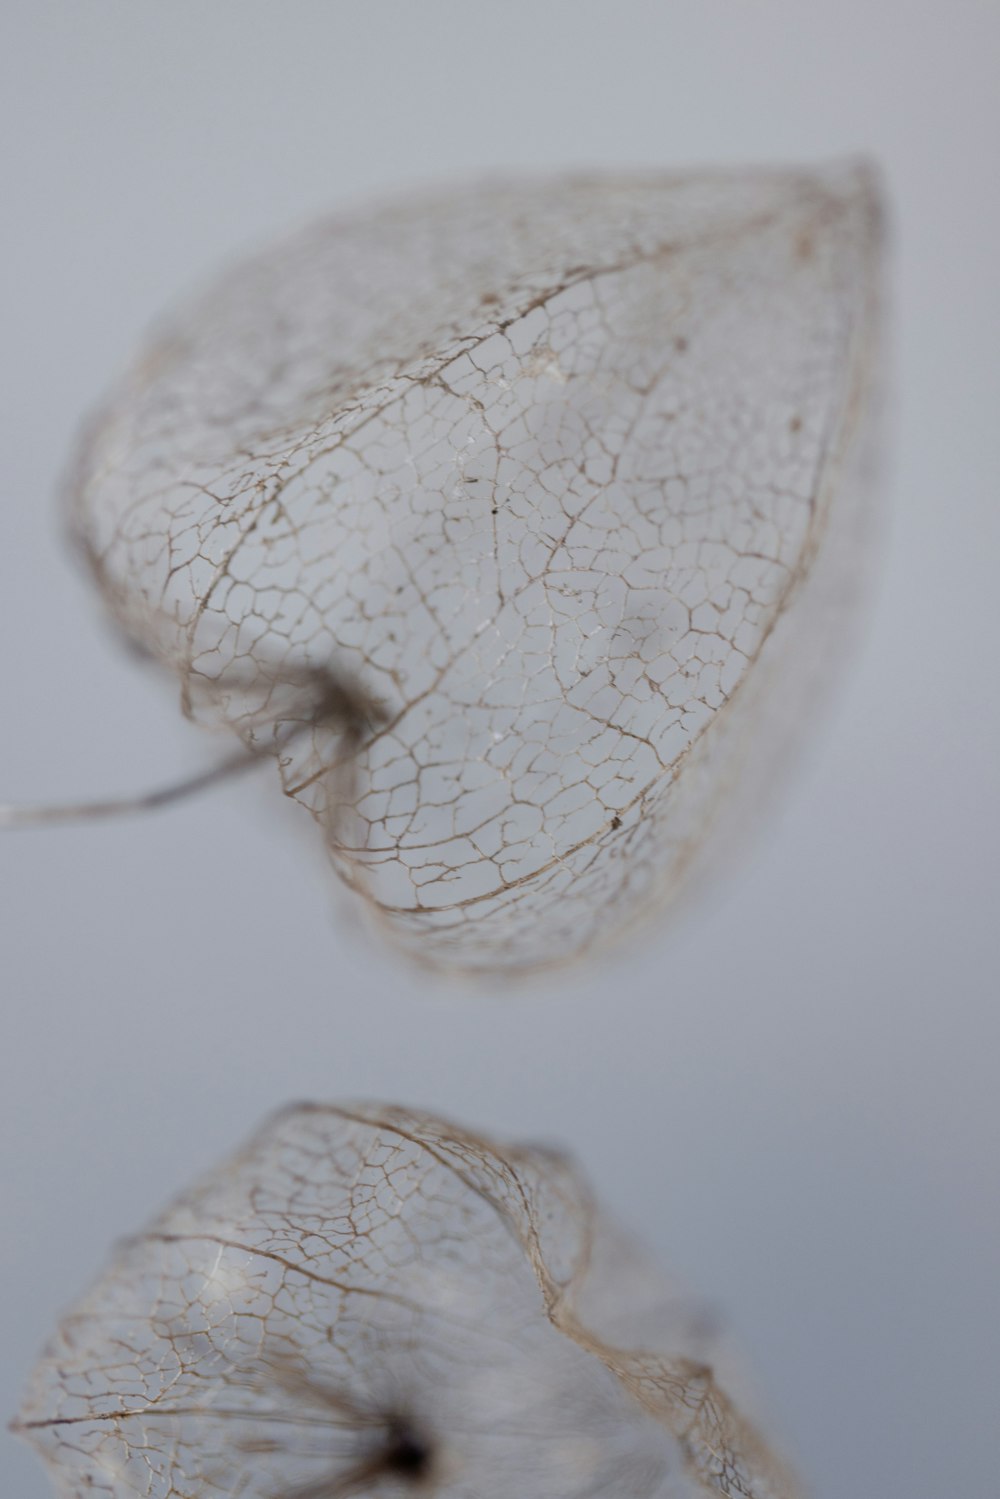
(13, 815)
(331, 699)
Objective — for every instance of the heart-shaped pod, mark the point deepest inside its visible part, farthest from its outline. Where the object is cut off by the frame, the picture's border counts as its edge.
(565, 475)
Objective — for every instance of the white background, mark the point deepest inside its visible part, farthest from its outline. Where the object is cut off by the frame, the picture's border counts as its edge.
(793, 1095)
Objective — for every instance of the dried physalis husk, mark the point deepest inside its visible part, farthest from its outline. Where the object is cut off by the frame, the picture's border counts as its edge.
(566, 475)
(371, 1301)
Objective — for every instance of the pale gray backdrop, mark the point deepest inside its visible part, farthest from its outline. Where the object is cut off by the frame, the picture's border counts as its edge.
(793, 1096)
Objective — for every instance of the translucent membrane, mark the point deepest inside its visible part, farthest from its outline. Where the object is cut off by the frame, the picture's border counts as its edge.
(567, 475)
(371, 1301)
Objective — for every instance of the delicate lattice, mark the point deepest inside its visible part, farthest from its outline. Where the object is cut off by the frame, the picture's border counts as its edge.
(562, 474)
(369, 1301)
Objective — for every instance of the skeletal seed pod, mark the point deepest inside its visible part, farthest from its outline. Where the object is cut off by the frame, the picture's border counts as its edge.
(371, 1301)
(566, 475)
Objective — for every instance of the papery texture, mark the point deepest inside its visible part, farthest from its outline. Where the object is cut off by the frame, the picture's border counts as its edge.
(566, 475)
(366, 1300)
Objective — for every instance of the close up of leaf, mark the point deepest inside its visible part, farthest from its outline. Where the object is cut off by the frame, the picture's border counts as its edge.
(565, 475)
(370, 1301)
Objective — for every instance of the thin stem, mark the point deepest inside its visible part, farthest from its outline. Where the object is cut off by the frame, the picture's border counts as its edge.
(13, 815)
(332, 699)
